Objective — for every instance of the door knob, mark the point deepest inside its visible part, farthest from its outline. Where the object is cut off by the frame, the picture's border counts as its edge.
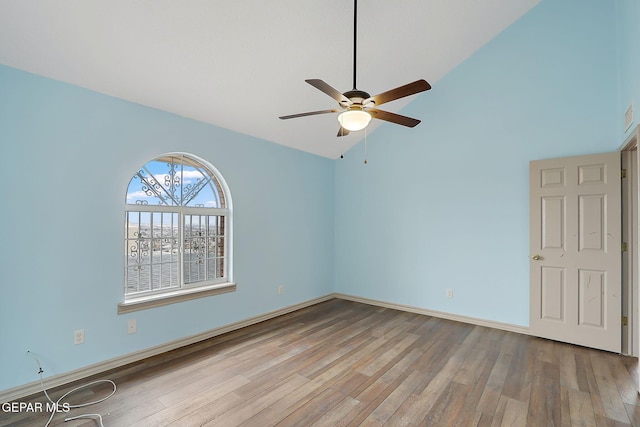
(536, 257)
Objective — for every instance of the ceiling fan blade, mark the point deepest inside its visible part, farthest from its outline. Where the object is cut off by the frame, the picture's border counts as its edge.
(400, 92)
(342, 132)
(329, 90)
(393, 118)
(310, 113)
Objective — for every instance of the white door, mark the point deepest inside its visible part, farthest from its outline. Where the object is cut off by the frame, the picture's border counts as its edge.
(575, 245)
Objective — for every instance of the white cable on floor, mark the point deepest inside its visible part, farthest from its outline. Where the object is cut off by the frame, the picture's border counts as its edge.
(57, 404)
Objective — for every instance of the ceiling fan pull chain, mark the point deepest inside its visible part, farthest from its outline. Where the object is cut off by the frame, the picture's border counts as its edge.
(365, 146)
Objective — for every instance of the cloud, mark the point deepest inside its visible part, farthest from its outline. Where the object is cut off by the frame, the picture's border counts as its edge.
(137, 195)
(191, 174)
(188, 176)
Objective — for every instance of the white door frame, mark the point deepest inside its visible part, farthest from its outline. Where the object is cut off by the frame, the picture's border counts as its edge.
(630, 225)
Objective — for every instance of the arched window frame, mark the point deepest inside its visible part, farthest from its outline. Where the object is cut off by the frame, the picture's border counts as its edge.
(177, 245)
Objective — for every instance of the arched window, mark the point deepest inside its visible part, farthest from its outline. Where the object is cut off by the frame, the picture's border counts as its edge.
(177, 231)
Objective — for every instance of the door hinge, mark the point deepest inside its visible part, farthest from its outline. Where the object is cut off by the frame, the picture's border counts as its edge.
(623, 173)
(624, 246)
(625, 321)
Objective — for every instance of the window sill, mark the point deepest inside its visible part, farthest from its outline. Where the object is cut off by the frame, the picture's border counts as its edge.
(143, 303)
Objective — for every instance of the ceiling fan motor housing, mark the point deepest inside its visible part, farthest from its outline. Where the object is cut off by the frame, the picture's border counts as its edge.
(356, 97)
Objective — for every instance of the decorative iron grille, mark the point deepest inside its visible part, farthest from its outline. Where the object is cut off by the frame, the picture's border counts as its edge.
(176, 227)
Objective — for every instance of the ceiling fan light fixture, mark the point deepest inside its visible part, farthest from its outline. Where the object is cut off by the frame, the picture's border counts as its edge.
(357, 107)
(354, 120)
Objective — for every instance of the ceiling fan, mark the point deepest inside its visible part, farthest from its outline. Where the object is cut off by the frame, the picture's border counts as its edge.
(357, 107)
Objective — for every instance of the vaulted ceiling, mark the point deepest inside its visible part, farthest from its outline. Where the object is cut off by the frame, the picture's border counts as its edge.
(242, 64)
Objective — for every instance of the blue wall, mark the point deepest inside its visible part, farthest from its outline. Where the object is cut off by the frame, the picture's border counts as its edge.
(445, 205)
(69, 154)
(628, 43)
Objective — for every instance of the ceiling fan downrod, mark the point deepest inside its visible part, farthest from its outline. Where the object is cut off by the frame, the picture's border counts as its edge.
(354, 93)
(355, 40)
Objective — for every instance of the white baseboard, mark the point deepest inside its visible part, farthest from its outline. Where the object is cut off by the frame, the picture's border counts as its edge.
(464, 319)
(34, 387)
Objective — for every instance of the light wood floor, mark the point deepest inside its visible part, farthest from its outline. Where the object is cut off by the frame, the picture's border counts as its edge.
(342, 363)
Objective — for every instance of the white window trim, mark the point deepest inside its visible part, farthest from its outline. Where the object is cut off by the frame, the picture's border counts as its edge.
(188, 291)
(178, 295)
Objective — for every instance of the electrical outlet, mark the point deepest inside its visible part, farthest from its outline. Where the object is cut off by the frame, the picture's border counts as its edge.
(280, 289)
(449, 293)
(132, 326)
(78, 336)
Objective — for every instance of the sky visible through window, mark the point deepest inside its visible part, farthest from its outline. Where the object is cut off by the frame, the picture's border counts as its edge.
(170, 183)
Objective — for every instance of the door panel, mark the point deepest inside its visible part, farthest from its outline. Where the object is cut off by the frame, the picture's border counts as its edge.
(592, 224)
(591, 287)
(575, 250)
(553, 291)
(553, 222)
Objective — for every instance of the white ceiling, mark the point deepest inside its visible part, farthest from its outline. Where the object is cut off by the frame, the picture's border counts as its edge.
(242, 64)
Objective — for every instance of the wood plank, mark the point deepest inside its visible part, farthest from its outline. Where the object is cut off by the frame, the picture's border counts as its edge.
(609, 394)
(568, 368)
(388, 407)
(515, 413)
(544, 407)
(449, 405)
(489, 399)
(336, 417)
(249, 407)
(193, 403)
(341, 363)
(422, 404)
(311, 411)
(581, 409)
(519, 379)
(633, 411)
